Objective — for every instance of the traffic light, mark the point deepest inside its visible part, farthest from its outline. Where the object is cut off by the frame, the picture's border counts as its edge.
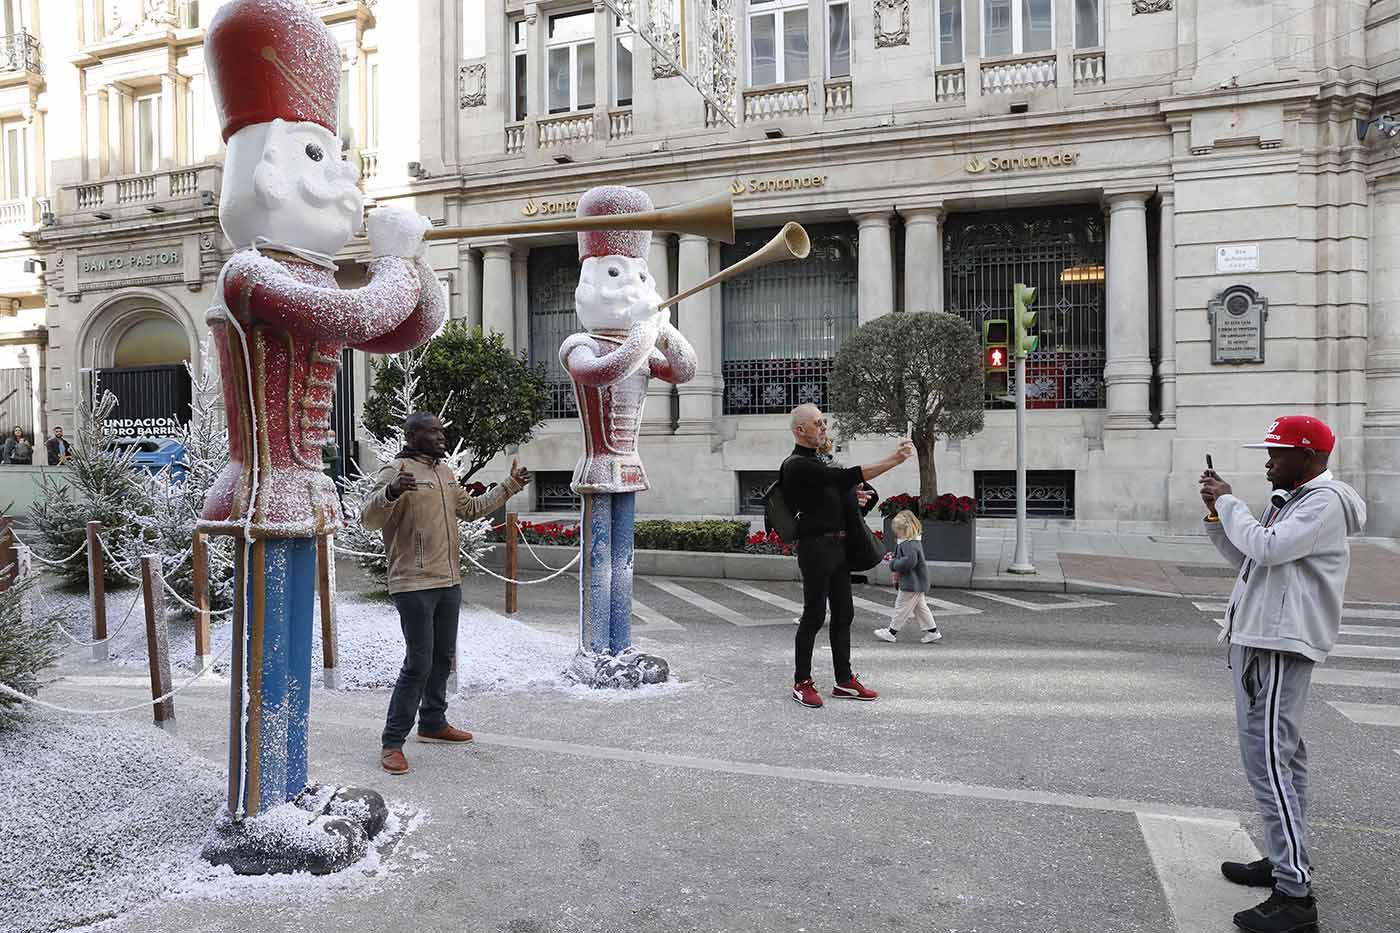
(996, 355)
(1024, 319)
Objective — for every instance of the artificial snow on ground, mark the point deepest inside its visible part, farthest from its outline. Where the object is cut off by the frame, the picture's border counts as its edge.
(99, 817)
(494, 652)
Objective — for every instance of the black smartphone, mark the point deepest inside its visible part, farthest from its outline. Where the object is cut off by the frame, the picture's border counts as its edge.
(1210, 465)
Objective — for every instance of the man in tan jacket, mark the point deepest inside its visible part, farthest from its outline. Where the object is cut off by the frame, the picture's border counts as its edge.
(416, 504)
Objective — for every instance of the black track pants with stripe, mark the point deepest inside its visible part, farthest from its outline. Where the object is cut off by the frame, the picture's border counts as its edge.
(1271, 689)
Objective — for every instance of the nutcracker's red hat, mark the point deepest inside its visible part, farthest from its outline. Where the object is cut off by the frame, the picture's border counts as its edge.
(269, 59)
(606, 201)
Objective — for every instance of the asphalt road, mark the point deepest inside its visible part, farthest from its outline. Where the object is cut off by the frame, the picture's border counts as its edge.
(1056, 763)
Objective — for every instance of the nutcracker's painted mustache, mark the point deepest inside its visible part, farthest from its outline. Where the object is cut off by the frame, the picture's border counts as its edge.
(342, 195)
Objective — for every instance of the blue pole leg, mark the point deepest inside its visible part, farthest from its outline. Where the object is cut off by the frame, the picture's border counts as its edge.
(269, 700)
(301, 612)
(595, 576)
(624, 512)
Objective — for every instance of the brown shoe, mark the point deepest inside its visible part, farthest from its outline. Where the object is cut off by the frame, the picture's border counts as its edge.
(448, 735)
(393, 761)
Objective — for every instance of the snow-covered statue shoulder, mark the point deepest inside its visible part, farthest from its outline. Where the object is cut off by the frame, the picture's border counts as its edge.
(280, 322)
(628, 341)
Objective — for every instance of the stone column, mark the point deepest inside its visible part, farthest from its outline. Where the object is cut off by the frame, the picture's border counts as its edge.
(98, 134)
(875, 297)
(168, 144)
(535, 26)
(716, 294)
(469, 265)
(1128, 368)
(656, 418)
(497, 292)
(121, 135)
(1166, 309)
(520, 298)
(696, 406)
(923, 259)
(1380, 426)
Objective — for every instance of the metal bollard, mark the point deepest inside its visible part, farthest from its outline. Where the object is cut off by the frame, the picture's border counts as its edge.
(157, 642)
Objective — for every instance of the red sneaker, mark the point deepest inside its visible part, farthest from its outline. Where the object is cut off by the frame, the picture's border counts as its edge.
(806, 694)
(853, 689)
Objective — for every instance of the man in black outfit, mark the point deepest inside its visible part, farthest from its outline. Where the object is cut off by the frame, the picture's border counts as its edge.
(816, 494)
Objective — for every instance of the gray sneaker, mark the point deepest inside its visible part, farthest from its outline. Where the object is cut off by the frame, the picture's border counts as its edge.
(885, 634)
(931, 637)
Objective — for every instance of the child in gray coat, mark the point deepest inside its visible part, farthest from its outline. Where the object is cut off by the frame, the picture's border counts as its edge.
(911, 579)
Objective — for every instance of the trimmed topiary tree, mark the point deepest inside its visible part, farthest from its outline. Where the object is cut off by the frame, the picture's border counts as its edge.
(917, 375)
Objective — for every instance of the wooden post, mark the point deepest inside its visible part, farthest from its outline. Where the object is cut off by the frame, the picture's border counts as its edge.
(200, 557)
(325, 592)
(96, 593)
(9, 573)
(23, 568)
(512, 563)
(157, 642)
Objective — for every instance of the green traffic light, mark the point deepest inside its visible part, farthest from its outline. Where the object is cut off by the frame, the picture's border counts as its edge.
(1024, 320)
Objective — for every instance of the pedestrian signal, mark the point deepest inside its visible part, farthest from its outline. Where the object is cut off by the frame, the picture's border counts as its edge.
(996, 358)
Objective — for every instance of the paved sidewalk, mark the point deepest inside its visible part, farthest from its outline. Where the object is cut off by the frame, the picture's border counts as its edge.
(1164, 565)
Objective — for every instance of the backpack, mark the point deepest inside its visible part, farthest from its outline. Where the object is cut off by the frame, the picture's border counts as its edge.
(777, 514)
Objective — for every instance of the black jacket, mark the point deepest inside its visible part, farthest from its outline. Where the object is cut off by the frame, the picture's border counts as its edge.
(59, 447)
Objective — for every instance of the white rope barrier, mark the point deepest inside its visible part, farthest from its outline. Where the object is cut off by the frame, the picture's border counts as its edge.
(44, 560)
(556, 573)
(34, 701)
(93, 644)
(537, 556)
(115, 561)
(346, 550)
(189, 605)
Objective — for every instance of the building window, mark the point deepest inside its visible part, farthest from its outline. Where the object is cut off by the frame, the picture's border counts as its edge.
(783, 323)
(777, 42)
(554, 494)
(950, 32)
(16, 161)
(838, 40)
(473, 29)
(752, 485)
(571, 61)
(1059, 252)
(1049, 493)
(146, 133)
(519, 71)
(1014, 27)
(622, 63)
(344, 125)
(1088, 24)
(553, 279)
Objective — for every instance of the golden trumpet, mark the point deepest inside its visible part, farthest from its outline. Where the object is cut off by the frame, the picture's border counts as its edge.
(791, 242)
(711, 217)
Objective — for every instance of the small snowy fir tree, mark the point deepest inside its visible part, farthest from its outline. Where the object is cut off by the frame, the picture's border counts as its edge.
(102, 484)
(175, 497)
(369, 545)
(28, 643)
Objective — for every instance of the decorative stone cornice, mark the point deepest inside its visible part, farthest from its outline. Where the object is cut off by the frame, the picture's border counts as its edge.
(1151, 6)
(891, 23)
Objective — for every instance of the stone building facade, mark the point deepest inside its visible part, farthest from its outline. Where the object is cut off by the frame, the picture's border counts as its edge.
(1185, 184)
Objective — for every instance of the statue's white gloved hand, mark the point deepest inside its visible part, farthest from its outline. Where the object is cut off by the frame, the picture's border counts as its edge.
(397, 231)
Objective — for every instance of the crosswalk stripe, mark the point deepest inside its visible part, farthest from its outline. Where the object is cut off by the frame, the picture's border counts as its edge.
(709, 605)
(863, 603)
(1368, 714)
(772, 599)
(1186, 854)
(1062, 602)
(1374, 631)
(1345, 677)
(1347, 612)
(652, 618)
(1371, 652)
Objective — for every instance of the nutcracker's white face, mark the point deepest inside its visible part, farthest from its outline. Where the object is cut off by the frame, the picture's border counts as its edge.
(287, 184)
(615, 292)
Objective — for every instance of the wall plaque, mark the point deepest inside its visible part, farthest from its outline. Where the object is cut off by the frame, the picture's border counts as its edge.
(1237, 257)
(150, 262)
(1237, 317)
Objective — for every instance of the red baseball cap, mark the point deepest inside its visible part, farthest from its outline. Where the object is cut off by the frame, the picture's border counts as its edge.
(1302, 431)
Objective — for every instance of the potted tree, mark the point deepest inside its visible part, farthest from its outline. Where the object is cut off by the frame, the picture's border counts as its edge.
(916, 375)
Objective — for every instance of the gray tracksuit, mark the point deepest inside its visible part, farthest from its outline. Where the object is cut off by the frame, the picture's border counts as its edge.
(1282, 618)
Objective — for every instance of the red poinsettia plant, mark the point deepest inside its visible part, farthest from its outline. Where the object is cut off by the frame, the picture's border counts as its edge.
(770, 543)
(949, 508)
(892, 506)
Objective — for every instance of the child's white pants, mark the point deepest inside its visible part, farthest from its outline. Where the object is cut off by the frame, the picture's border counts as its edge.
(909, 606)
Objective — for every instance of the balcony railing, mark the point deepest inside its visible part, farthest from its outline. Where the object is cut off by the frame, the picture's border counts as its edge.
(19, 214)
(369, 164)
(515, 138)
(1089, 68)
(1024, 73)
(192, 186)
(568, 130)
(19, 51)
(839, 96)
(948, 83)
(619, 124)
(772, 103)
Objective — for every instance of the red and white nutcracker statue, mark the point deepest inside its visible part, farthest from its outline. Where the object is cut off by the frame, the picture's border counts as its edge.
(280, 322)
(628, 342)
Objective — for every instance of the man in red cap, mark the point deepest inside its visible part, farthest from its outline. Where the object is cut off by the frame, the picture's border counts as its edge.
(1282, 618)
(628, 342)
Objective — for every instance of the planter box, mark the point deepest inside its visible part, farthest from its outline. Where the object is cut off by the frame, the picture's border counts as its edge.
(950, 542)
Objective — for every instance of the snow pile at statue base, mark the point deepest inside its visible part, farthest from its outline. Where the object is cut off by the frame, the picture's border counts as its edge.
(494, 652)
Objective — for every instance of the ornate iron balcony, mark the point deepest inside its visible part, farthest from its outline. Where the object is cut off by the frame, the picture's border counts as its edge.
(19, 51)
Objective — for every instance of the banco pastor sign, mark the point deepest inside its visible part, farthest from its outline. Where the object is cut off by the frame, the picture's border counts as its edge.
(131, 264)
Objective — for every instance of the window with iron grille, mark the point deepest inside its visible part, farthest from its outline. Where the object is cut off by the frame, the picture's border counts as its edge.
(552, 492)
(1049, 493)
(1060, 253)
(784, 322)
(553, 278)
(752, 485)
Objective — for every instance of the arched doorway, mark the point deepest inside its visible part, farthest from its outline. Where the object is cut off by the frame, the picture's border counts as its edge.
(139, 350)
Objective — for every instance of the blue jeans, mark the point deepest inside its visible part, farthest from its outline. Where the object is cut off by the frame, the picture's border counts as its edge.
(605, 579)
(429, 622)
